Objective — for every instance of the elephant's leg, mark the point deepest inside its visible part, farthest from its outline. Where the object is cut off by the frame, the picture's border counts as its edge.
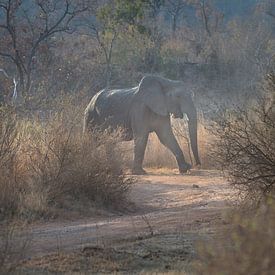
(168, 139)
(140, 143)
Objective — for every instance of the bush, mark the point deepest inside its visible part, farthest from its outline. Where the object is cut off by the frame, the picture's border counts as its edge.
(246, 150)
(9, 146)
(14, 242)
(245, 144)
(49, 164)
(65, 164)
(247, 247)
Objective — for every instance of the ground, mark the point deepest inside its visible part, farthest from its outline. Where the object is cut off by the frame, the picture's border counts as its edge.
(169, 214)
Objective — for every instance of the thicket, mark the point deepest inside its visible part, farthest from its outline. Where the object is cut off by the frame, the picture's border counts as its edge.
(47, 165)
(44, 162)
(116, 42)
(245, 147)
(246, 152)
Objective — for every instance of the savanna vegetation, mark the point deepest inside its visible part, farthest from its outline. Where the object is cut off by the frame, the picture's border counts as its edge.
(48, 165)
(245, 151)
(55, 55)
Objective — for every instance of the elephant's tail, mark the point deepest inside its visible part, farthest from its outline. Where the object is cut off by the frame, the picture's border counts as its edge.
(89, 117)
(85, 123)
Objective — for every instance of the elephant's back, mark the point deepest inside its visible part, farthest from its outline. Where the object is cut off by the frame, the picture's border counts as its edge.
(114, 102)
(111, 107)
(92, 104)
(117, 95)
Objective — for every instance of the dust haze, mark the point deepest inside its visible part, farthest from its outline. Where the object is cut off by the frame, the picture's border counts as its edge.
(137, 137)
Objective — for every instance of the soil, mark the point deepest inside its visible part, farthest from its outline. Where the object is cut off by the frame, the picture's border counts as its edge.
(171, 214)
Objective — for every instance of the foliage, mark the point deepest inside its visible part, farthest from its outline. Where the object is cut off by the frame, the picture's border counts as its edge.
(91, 50)
(129, 11)
(246, 146)
(126, 12)
(9, 147)
(47, 163)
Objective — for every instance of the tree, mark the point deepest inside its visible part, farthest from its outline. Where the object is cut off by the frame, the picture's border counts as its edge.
(26, 28)
(102, 22)
(208, 15)
(5, 96)
(108, 20)
(210, 21)
(268, 7)
(175, 8)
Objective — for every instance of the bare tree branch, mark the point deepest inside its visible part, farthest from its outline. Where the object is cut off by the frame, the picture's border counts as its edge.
(5, 73)
(50, 23)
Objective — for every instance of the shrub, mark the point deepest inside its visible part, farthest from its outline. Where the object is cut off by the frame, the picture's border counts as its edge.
(245, 144)
(65, 165)
(246, 150)
(14, 241)
(247, 247)
(9, 146)
(49, 164)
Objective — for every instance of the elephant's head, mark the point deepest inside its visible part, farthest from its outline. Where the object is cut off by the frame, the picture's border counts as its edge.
(165, 97)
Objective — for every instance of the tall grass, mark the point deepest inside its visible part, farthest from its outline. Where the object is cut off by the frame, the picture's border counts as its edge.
(158, 156)
(247, 246)
(9, 146)
(14, 243)
(49, 164)
(245, 147)
(246, 152)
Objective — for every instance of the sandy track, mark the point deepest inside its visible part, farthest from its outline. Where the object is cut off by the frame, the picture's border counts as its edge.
(165, 204)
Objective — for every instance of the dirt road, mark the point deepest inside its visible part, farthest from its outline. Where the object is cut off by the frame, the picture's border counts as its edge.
(170, 213)
(165, 205)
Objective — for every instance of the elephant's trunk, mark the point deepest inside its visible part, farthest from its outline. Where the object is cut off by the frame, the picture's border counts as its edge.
(193, 129)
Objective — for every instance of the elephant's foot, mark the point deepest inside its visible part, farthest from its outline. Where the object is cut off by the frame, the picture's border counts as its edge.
(185, 168)
(138, 171)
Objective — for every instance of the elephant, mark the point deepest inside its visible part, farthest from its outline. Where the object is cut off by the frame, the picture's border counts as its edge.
(144, 109)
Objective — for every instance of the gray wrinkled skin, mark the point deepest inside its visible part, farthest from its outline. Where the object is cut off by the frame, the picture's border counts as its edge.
(145, 109)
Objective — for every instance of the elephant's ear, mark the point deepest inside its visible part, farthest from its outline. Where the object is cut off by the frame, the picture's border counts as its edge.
(151, 93)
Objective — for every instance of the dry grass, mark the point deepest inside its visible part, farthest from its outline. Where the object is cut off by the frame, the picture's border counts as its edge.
(65, 166)
(49, 164)
(46, 162)
(245, 149)
(248, 247)
(9, 147)
(158, 156)
(14, 242)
